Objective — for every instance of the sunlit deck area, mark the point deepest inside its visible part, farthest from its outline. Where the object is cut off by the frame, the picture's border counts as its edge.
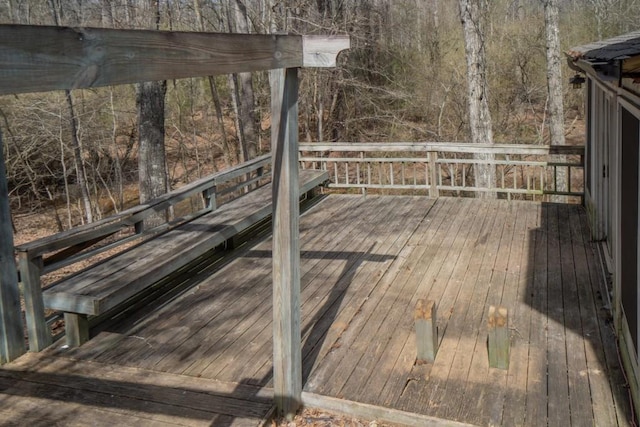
(205, 358)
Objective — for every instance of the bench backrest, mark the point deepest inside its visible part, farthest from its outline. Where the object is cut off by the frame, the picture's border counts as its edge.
(201, 196)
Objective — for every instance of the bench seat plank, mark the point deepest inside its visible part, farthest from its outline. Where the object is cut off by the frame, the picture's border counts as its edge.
(109, 283)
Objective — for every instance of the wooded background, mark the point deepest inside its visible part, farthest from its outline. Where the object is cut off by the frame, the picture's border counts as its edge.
(83, 154)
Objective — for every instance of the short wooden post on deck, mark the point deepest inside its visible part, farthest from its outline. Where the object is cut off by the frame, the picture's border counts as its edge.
(426, 331)
(498, 341)
(11, 329)
(287, 350)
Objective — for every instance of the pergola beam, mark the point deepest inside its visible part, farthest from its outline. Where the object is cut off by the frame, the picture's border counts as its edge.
(42, 58)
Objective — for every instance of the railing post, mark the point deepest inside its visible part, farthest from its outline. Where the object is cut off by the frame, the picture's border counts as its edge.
(364, 188)
(11, 328)
(209, 198)
(287, 352)
(37, 328)
(433, 174)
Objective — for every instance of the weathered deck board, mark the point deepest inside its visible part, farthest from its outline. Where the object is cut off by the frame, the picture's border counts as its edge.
(440, 254)
(478, 402)
(519, 277)
(455, 357)
(349, 263)
(603, 359)
(398, 337)
(537, 301)
(557, 381)
(318, 339)
(212, 322)
(360, 316)
(578, 378)
(365, 263)
(133, 396)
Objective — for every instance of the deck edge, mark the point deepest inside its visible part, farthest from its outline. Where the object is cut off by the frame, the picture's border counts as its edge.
(373, 412)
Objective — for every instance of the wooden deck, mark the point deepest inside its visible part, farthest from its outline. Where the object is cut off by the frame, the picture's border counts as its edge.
(205, 358)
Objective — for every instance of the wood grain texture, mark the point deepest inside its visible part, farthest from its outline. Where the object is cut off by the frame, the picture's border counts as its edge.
(445, 147)
(76, 328)
(360, 255)
(498, 341)
(371, 412)
(88, 393)
(12, 336)
(426, 331)
(287, 347)
(40, 58)
(109, 283)
(37, 329)
(322, 51)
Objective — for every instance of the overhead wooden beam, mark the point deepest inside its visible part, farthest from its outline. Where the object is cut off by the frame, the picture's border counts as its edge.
(12, 337)
(322, 51)
(287, 353)
(42, 58)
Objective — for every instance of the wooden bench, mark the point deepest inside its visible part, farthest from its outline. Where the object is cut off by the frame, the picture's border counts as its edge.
(112, 282)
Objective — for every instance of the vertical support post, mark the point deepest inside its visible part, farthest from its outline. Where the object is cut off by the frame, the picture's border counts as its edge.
(498, 341)
(287, 353)
(11, 328)
(426, 331)
(76, 329)
(433, 174)
(37, 328)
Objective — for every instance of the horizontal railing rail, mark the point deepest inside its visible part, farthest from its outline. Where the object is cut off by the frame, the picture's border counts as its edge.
(200, 197)
(443, 168)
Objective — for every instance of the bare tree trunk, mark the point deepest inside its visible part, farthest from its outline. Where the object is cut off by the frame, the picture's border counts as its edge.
(228, 155)
(241, 85)
(554, 86)
(150, 100)
(554, 73)
(150, 97)
(81, 174)
(473, 15)
(235, 101)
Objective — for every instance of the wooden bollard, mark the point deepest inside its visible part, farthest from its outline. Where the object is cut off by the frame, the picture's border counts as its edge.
(426, 331)
(498, 341)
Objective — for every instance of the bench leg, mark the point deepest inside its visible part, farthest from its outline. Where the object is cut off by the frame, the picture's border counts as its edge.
(232, 243)
(76, 328)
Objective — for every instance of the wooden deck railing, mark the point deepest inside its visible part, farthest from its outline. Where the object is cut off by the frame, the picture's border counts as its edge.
(441, 169)
(206, 193)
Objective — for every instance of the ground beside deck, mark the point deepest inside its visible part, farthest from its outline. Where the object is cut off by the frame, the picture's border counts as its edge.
(205, 358)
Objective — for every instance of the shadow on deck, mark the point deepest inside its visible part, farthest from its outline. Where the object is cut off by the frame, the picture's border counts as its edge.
(205, 358)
